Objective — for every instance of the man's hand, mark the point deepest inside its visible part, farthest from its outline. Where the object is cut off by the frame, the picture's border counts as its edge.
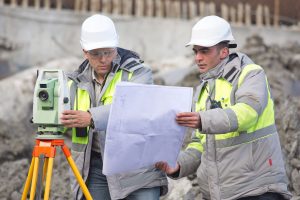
(75, 118)
(163, 166)
(189, 119)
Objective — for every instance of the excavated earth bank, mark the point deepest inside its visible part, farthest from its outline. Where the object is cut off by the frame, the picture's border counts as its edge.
(281, 63)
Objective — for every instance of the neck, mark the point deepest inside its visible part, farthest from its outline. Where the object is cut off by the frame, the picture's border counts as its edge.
(214, 72)
(99, 77)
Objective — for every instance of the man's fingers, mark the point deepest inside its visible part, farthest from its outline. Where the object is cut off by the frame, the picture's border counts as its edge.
(75, 118)
(190, 124)
(66, 122)
(69, 112)
(69, 115)
(190, 119)
(186, 114)
(164, 166)
(187, 123)
(65, 117)
(161, 165)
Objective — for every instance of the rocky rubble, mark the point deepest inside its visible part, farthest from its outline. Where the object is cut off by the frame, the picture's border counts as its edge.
(282, 66)
(17, 134)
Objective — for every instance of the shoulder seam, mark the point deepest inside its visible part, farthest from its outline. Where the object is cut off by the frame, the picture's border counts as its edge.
(132, 65)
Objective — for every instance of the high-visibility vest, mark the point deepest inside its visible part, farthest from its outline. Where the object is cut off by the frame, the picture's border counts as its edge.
(264, 126)
(84, 103)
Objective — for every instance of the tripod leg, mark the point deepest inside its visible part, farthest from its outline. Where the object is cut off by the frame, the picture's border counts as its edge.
(48, 178)
(76, 173)
(28, 180)
(40, 178)
(34, 177)
(45, 168)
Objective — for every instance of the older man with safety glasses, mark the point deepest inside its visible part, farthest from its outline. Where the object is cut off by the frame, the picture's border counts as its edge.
(92, 90)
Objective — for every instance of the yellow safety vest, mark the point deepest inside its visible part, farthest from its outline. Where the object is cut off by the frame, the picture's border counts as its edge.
(84, 103)
(263, 127)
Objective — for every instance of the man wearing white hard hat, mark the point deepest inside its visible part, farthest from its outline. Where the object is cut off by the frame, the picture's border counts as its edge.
(91, 90)
(235, 148)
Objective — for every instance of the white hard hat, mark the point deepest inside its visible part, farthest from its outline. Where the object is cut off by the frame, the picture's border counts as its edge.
(98, 31)
(210, 31)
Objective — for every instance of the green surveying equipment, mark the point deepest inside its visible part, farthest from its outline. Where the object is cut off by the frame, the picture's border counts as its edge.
(51, 98)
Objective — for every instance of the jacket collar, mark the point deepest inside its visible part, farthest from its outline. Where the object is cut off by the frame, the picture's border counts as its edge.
(227, 68)
(215, 72)
(84, 72)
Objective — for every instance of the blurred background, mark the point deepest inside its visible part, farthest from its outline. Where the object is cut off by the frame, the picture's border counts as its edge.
(45, 34)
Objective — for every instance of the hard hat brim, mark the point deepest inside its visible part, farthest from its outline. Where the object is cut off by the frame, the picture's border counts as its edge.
(98, 45)
(200, 43)
(205, 44)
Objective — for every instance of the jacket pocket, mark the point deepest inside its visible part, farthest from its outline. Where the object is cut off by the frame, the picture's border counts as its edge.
(268, 157)
(235, 164)
(203, 178)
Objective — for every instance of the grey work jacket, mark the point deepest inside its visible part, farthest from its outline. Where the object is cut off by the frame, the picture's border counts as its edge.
(120, 185)
(236, 170)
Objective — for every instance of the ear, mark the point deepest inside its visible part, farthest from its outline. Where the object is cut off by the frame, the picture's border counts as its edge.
(85, 54)
(224, 53)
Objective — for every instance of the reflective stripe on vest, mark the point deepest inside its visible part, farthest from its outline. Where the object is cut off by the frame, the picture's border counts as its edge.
(263, 127)
(84, 99)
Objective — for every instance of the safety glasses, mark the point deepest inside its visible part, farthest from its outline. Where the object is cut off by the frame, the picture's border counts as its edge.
(101, 52)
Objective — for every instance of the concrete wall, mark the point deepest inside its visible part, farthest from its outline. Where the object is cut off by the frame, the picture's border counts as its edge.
(32, 36)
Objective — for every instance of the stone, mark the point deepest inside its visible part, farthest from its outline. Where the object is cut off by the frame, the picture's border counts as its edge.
(296, 181)
(295, 163)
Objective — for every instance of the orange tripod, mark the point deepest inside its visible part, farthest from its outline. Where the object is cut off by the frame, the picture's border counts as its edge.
(44, 151)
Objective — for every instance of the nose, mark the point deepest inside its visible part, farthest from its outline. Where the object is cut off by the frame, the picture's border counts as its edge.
(198, 56)
(102, 59)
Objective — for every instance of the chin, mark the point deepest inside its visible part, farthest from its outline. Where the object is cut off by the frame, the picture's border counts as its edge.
(202, 71)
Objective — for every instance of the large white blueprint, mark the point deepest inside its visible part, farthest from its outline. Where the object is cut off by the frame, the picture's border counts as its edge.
(142, 128)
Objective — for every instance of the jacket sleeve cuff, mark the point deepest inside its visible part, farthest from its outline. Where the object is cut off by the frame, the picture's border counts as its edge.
(218, 121)
(189, 161)
(100, 117)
